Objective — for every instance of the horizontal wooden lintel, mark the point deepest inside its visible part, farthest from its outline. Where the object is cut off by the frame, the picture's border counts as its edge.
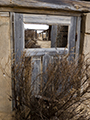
(66, 5)
(43, 51)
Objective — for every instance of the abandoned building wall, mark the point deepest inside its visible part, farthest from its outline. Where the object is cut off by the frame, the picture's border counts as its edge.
(5, 82)
(86, 49)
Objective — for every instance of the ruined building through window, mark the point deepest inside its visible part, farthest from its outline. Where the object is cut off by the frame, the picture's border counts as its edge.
(39, 36)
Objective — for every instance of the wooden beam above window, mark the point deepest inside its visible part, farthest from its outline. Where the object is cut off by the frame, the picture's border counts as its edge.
(66, 5)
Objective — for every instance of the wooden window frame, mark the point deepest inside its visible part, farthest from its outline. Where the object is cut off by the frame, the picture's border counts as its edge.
(18, 45)
(51, 20)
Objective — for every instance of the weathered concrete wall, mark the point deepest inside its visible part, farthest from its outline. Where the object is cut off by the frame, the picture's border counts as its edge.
(5, 81)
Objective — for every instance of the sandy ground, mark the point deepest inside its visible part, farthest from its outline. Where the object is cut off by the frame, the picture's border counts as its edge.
(44, 44)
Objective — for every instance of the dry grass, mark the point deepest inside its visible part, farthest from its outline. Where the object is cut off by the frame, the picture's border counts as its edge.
(63, 92)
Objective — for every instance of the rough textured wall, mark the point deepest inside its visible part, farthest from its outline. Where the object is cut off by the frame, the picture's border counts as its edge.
(87, 35)
(5, 82)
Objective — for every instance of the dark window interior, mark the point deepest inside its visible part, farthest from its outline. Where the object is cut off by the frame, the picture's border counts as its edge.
(62, 36)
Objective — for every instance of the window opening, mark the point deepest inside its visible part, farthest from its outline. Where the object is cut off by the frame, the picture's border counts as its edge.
(62, 36)
(45, 36)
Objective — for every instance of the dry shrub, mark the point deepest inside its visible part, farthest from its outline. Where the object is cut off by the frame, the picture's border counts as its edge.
(63, 90)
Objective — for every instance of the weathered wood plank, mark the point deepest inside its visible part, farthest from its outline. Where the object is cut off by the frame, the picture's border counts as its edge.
(53, 35)
(71, 38)
(36, 70)
(12, 64)
(5, 2)
(18, 49)
(45, 19)
(45, 64)
(52, 4)
(39, 11)
(41, 52)
(18, 36)
(78, 37)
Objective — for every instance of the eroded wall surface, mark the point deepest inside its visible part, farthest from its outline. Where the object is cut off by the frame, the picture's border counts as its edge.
(5, 67)
(86, 49)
